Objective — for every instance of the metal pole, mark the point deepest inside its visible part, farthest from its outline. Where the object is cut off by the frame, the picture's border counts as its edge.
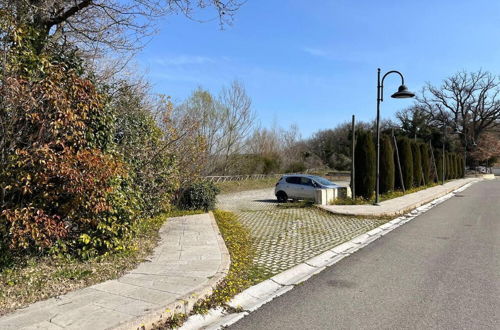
(378, 139)
(353, 170)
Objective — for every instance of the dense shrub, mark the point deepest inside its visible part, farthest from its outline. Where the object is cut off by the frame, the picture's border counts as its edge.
(365, 165)
(60, 185)
(406, 159)
(295, 167)
(387, 168)
(199, 195)
(417, 164)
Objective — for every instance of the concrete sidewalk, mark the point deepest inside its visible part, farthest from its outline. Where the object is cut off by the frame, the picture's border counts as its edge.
(400, 205)
(189, 260)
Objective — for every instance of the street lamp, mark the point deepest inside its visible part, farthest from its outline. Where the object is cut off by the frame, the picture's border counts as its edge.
(402, 93)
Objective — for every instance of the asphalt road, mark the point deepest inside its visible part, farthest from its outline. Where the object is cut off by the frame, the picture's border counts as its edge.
(439, 271)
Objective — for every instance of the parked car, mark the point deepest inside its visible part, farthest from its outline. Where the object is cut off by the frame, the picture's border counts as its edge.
(300, 186)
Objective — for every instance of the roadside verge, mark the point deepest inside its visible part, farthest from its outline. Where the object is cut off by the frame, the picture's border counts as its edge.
(400, 205)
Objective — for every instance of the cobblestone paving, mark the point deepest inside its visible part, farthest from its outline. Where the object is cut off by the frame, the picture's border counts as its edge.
(285, 235)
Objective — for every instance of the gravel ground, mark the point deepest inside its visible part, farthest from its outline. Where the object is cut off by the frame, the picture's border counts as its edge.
(286, 234)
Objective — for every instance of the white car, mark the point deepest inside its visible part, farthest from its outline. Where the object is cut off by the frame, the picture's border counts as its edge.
(300, 186)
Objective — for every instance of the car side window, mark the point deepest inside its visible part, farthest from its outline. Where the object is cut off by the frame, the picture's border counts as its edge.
(293, 180)
(306, 181)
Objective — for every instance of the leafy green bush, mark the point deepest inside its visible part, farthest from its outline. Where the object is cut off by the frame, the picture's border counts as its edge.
(199, 195)
(387, 168)
(365, 165)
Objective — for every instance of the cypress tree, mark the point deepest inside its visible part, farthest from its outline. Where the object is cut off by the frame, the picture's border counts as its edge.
(406, 156)
(417, 164)
(447, 165)
(439, 165)
(365, 165)
(387, 168)
(462, 169)
(426, 162)
(454, 165)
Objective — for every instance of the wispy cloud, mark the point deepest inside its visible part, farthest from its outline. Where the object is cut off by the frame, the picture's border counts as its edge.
(315, 52)
(179, 60)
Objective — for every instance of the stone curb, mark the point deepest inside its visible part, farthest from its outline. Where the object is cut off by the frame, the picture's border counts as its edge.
(262, 293)
(185, 303)
(403, 210)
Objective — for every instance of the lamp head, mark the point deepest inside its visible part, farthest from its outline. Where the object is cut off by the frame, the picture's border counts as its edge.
(402, 93)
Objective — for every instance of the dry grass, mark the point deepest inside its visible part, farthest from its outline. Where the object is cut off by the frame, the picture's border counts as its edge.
(237, 186)
(28, 280)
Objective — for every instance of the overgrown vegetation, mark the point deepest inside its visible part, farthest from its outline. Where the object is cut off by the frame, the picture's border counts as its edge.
(26, 280)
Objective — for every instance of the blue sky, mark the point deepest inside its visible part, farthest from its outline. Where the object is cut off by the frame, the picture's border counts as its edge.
(313, 63)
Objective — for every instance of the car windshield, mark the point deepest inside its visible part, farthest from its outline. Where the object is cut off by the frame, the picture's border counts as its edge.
(323, 181)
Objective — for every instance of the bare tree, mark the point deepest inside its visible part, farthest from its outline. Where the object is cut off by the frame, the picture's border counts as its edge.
(224, 123)
(468, 102)
(239, 119)
(114, 24)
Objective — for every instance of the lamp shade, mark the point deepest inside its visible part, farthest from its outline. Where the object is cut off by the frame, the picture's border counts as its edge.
(402, 93)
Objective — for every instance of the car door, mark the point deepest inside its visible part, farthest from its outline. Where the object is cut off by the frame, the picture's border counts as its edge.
(293, 186)
(307, 188)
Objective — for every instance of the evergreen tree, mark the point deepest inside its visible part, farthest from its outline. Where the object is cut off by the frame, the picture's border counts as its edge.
(417, 164)
(439, 165)
(387, 168)
(406, 159)
(426, 162)
(365, 165)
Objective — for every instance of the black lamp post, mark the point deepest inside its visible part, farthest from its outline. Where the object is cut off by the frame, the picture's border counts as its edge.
(402, 93)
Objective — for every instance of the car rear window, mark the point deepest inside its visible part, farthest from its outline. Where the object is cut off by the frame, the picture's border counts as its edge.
(293, 179)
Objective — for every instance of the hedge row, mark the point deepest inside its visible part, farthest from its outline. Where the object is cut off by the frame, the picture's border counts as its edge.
(418, 164)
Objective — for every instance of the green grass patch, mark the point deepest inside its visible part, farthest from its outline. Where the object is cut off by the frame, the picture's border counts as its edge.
(25, 280)
(243, 185)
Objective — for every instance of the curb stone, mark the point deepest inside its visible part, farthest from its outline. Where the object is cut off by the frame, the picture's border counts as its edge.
(295, 275)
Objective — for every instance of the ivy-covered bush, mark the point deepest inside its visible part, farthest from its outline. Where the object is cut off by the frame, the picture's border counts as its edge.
(200, 195)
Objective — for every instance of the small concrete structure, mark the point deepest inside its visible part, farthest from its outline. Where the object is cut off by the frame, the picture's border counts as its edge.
(489, 176)
(327, 196)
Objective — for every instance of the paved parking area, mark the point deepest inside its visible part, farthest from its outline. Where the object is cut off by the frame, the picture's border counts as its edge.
(286, 234)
